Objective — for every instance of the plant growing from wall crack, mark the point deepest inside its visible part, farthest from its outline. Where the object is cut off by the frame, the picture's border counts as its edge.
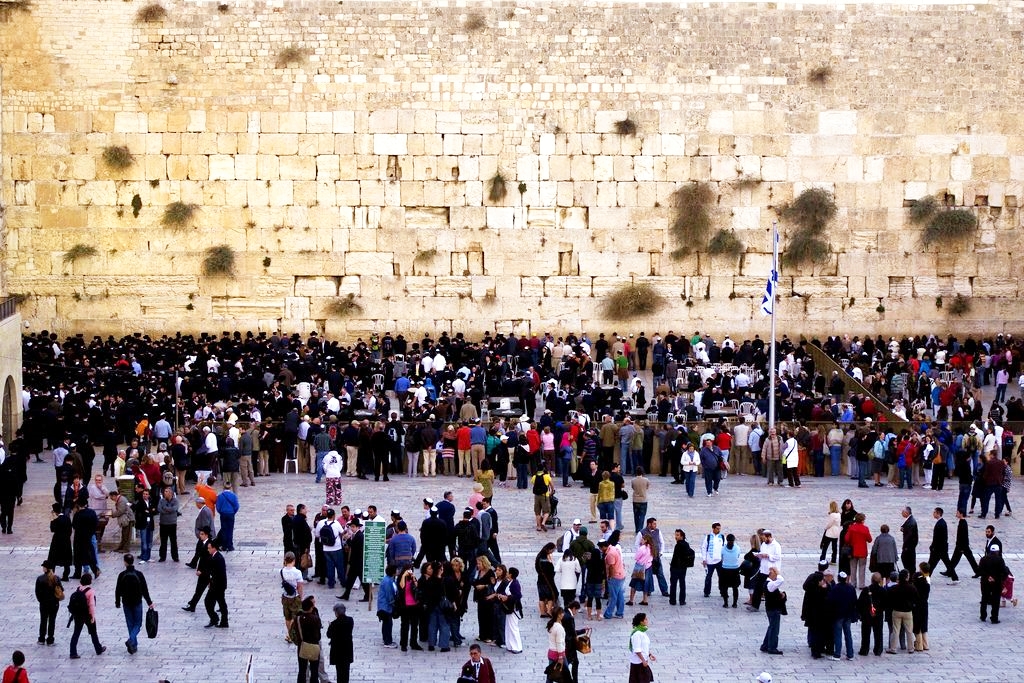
(960, 306)
(811, 211)
(178, 214)
(632, 300)
(152, 12)
(725, 243)
(117, 157)
(219, 260)
(79, 251)
(691, 217)
(496, 191)
(344, 307)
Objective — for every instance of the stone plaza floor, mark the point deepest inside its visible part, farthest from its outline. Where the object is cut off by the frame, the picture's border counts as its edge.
(700, 641)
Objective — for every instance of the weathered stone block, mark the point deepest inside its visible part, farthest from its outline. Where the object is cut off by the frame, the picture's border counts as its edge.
(369, 263)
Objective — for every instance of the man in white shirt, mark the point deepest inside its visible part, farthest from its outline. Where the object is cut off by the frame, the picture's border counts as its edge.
(711, 555)
(333, 552)
(771, 558)
(571, 534)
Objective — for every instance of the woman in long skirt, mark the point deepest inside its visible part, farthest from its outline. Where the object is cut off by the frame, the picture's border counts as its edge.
(514, 593)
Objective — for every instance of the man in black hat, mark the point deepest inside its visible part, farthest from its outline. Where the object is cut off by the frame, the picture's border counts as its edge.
(47, 585)
(355, 561)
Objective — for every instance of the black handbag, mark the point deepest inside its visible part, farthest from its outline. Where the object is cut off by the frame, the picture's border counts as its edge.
(152, 622)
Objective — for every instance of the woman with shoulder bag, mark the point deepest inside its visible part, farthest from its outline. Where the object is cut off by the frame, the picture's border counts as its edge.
(309, 629)
(49, 593)
(409, 611)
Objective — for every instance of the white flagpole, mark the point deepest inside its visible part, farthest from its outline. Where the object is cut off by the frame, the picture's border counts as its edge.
(771, 361)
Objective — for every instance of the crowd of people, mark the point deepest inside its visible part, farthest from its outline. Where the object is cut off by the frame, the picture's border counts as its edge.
(236, 408)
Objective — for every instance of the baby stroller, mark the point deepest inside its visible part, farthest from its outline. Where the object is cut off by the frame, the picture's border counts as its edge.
(554, 521)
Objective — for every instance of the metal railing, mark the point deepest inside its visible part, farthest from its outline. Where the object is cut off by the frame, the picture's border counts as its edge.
(8, 307)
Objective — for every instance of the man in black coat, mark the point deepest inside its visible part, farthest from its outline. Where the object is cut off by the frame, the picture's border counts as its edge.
(908, 555)
(60, 546)
(355, 561)
(340, 635)
(202, 567)
(302, 538)
(571, 639)
(961, 549)
(286, 528)
(993, 572)
(433, 538)
(84, 524)
(842, 607)
(218, 586)
(939, 549)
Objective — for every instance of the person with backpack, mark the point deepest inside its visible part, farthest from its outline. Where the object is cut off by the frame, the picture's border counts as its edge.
(49, 593)
(291, 592)
(329, 533)
(131, 589)
(82, 606)
(15, 673)
(683, 557)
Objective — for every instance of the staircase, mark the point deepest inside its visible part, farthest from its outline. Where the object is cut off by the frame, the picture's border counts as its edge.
(825, 365)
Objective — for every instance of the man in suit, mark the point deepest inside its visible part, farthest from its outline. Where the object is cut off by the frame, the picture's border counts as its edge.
(991, 539)
(572, 656)
(908, 555)
(202, 567)
(218, 585)
(478, 668)
(84, 523)
(939, 549)
(961, 549)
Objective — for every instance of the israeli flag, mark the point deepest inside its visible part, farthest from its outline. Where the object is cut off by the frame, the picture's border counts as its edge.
(768, 300)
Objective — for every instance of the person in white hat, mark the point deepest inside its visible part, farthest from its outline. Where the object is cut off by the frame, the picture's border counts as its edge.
(764, 677)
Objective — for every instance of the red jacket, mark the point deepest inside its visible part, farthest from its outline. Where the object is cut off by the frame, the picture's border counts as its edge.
(857, 537)
(462, 436)
(486, 674)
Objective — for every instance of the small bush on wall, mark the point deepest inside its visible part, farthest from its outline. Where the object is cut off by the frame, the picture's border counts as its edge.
(79, 251)
(960, 306)
(220, 260)
(949, 226)
(178, 214)
(344, 307)
(725, 243)
(811, 211)
(152, 12)
(633, 300)
(117, 157)
(691, 217)
(496, 190)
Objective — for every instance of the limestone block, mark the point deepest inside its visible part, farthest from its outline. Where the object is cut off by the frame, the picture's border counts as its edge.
(482, 286)
(598, 263)
(559, 168)
(837, 122)
(99, 193)
(369, 263)
(298, 168)
(419, 286)
(501, 217)
(450, 285)
(280, 193)
(995, 287)
(725, 168)
(324, 287)
(634, 264)
(531, 287)
(720, 121)
(222, 167)
(821, 286)
(383, 121)
(479, 122)
(960, 168)
(582, 168)
(390, 144)
(578, 286)
(574, 218)
(604, 121)
(279, 143)
(246, 166)
(746, 218)
(608, 218)
(528, 168)
(268, 167)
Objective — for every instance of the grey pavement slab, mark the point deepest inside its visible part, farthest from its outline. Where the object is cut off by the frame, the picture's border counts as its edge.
(700, 640)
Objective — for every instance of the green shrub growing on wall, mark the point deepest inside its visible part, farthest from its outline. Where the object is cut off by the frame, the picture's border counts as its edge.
(949, 226)
(117, 157)
(344, 307)
(634, 300)
(691, 217)
(178, 214)
(811, 211)
(79, 251)
(220, 260)
(960, 306)
(152, 12)
(496, 191)
(725, 243)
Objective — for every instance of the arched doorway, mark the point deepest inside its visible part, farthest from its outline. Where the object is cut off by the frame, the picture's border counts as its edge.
(9, 408)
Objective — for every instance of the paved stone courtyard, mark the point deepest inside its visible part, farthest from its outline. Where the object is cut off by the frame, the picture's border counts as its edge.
(699, 640)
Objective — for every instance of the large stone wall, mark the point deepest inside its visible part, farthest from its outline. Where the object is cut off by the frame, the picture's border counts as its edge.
(363, 167)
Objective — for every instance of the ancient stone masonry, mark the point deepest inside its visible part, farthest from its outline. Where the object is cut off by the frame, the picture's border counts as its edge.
(354, 149)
